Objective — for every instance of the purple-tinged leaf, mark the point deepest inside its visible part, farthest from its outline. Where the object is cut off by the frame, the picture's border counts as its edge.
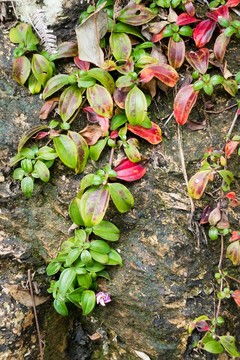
(121, 46)
(190, 9)
(41, 68)
(220, 46)
(205, 215)
(176, 53)
(64, 50)
(69, 102)
(100, 100)
(55, 84)
(81, 64)
(21, 69)
(199, 60)
(82, 151)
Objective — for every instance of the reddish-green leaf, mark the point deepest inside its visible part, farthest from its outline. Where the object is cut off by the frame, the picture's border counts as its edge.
(184, 102)
(199, 60)
(41, 68)
(82, 151)
(136, 106)
(230, 147)
(230, 86)
(103, 77)
(152, 135)
(198, 183)
(233, 252)
(134, 14)
(165, 73)
(220, 46)
(66, 150)
(94, 204)
(55, 84)
(120, 45)
(221, 12)
(120, 95)
(65, 49)
(100, 100)
(69, 102)
(176, 53)
(121, 196)
(129, 171)
(203, 32)
(21, 69)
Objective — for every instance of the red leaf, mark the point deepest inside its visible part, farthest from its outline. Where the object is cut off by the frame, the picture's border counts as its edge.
(41, 135)
(47, 108)
(114, 134)
(203, 32)
(230, 147)
(236, 297)
(220, 12)
(232, 3)
(157, 37)
(235, 236)
(81, 64)
(165, 73)
(231, 195)
(129, 171)
(92, 116)
(190, 9)
(185, 19)
(220, 46)
(152, 135)
(199, 60)
(184, 102)
(202, 326)
(176, 53)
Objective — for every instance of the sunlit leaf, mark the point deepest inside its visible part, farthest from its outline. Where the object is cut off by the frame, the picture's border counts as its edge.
(103, 77)
(134, 14)
(34, 85)
(197, 184)
(69, 102)
(100, 100)
(136, 106)
(199, 60)
(184, 102)
(203, 32)
(114, 258)
(230, 147)
(21, 69)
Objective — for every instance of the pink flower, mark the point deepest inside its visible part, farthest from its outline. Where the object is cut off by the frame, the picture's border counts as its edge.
(102, 298)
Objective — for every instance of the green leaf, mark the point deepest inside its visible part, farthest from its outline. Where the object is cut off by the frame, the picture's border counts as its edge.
(96, 149)
(85, 81)
(85, 183)
(107, 231)
(55, 84)
(41, 68)
(27, 186)
(95, 267)
(82, 151)
(103, 77)
(136, 106)
(197, 184)
(66, 150)
(76, 296)
(42, 171)
(84, 280)
(134, 14)
(72, 256)
(128, 29)
(69, 102)
(88, 301)
(214, 347)
(117, 121)
(18, 34)
(28, 153)
(66, 279)
(104, 274)
(120, 45)
(230, 86)
(29, 133)
(46, 153)
(228, 342)
(15, 159)
(121, 196)
(26, 165)
(100, 100)
(99, 257)
(21, 69)
(18, 174)
(114, 258)
(100, 246)
(34, 85)
(86, 258)
(74, 212)
(60, 307)
(227, 176)
(94, 204)
(53, 268)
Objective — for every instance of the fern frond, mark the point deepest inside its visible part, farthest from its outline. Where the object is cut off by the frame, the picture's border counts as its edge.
(48, 39)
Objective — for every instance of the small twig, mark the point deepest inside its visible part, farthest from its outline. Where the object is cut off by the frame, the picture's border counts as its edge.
(35, 315)
(220, 111)
(168, 119)
(111, 156)
(232, 125)
(232, 278)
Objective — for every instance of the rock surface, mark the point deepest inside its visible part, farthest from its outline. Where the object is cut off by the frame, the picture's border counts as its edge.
(166, 279)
